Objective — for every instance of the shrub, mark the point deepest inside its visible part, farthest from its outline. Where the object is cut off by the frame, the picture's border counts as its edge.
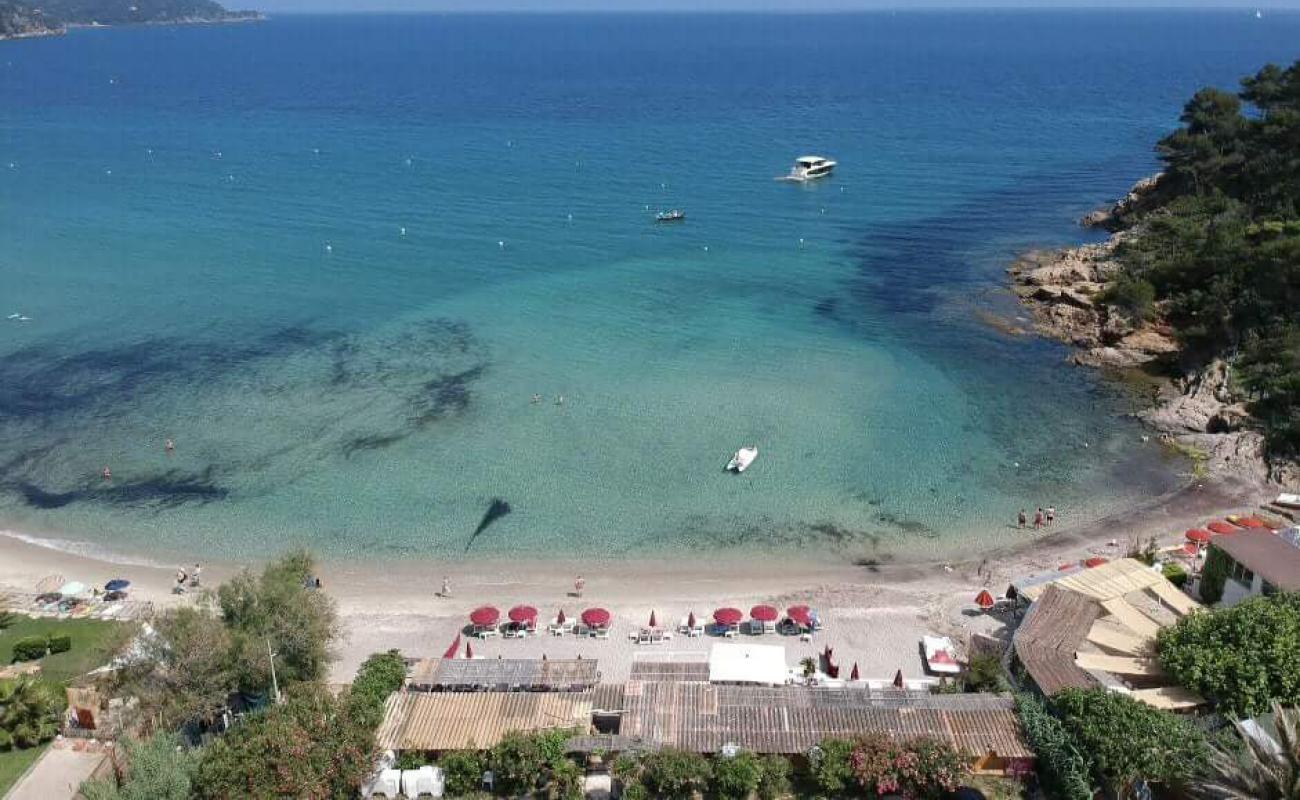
(636, 791)
(1243, 657)
(6, 741)
(984, 674)
(923, 768)
(673, 773)
(1213, 575)
(735, 777)
(463, 771)
(30, 711)
(774, 781)
(378, 677)
(1133, 295)
(61, 643)
(7, 618)
(1061, 767)
(1175, 574)
(30, 648)
(829, 768)
(159, 768)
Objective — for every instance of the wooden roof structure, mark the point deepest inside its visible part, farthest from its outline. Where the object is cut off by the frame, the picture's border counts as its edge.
(1049, 636)
(478, 720)
(503, 674)
(1111, 580)
(703, 717)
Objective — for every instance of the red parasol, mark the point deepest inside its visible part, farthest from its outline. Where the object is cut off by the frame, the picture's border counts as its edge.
(559, 618)
(485, 617)
(469, 650)
(1191, 549)
(654, 623)
(1197, 535)
(985, 600)
(595, 617)
(728, 616)
(800, 614)
(764, 613)
(898, 680)
(1065, 567)
(1252, 522)
(1096, 561)
(690, 620)
(853, 676)
(1220, 527)
(455, 648)
(522, 614)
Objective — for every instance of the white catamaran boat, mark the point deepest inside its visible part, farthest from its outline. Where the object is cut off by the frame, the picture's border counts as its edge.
(808, 168)
(742, 459)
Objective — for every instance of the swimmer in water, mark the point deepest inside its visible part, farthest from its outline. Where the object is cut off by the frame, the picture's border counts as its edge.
(537, 398)
(170, 446)
(559, 400)
(107, 473)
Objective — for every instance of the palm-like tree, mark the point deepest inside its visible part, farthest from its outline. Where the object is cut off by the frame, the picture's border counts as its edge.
(29, 712)
(1262, 767)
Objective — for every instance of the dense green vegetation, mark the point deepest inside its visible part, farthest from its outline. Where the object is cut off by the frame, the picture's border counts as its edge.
(1063, 770)
(18, 17)
(1243, 658)
(1248, 767)
(162, 767)
(1215, 249)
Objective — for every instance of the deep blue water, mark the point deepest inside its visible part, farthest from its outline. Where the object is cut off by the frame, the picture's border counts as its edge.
(334, 258)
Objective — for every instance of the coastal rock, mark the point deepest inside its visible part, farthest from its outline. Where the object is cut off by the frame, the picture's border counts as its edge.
(1241, 453)
(1111, 358)
(1113, 217)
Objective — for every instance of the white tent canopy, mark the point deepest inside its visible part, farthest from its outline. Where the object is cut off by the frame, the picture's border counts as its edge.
(748, 663)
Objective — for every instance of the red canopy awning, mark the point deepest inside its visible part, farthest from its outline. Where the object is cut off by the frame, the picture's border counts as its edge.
(728, 616)
(1197, 535)
(764, 613)
(485, 616)
(800, 614)
(595, 617)
(1096, 561)
(522, 614)
(454, 649)
(1220, 527)
(985, 600)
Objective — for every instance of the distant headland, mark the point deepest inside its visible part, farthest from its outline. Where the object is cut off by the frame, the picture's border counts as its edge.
(21, 19)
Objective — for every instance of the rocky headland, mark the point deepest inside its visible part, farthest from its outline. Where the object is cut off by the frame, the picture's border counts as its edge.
(1194, 408)
(22, 19)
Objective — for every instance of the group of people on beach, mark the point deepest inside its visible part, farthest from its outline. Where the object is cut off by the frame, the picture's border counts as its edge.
(186, 580)
(1043, 518)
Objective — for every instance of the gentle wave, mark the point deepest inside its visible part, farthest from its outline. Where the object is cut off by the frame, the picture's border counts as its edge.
(82, 549)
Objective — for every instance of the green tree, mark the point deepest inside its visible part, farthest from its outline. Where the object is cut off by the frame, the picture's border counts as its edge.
(378, 677)
(675, 774)
(462, 771)
(1061, 767)
(736, 777)
(1127, 740)
(310, 746)
(1243, 658)
(1214, 575)
(30, 712)
(830, 768)
(1254, 767)
(984, 674)
(161, 767)
(525, 762)
(301, 624)
(775, 779)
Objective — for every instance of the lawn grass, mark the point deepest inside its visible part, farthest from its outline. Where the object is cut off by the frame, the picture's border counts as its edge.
(13, 763)
(93, 644)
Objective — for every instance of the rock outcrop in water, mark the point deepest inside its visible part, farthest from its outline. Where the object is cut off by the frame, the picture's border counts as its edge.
(1195, 408)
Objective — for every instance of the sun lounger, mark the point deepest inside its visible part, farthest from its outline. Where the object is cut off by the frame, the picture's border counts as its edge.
(489, 633)
(388, 783)
(601, 633)
(423, 782)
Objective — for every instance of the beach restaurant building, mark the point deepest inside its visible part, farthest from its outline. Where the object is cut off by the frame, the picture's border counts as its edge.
(1256, 562)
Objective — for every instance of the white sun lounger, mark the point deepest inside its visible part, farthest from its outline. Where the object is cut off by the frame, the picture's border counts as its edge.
(388, 783)
(423, 782)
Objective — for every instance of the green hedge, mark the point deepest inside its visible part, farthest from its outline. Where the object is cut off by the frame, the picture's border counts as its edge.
(1175, 574)
(60, 644)
(1213, 575)
(30, 648)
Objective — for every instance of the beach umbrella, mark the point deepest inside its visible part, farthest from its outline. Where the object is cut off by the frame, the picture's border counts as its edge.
(50, 583)
(522, 614)
(485, 616)
(1191, 549)
(455, 647)
(985, 600)
(1220, 527)
(1096, 561)
(653, 622)
(116, 585)
(72, 588)
(559, 618)
(764, 613)
(802, 615)
(728, 616)
(898, 680)
(690, 620)
(853, 676)
(1068, 566)
(1252, 522)
(595, 617)
(469, 650)
(1197, 535)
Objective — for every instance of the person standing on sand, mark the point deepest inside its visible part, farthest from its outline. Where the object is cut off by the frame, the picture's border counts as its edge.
(1051, 515)
(446, 587)
(1023, 518)
(578, 586)
(1038, 519)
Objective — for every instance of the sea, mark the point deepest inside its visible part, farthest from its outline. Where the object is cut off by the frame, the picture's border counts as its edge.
(393, 285)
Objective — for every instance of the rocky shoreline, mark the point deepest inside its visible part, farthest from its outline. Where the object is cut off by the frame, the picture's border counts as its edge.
(1194, 409)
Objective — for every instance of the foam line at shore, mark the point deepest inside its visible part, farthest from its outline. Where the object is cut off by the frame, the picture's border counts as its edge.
(83, 549)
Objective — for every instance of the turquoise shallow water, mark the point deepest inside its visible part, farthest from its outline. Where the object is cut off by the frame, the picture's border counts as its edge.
(204, 227)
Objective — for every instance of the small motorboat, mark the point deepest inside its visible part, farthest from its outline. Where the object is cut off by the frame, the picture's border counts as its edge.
(742, 459)
(675, 215)
(809, 168)
(940, 655)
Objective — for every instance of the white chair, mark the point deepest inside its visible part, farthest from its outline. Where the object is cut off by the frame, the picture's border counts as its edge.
(423, 782)
(388, 783)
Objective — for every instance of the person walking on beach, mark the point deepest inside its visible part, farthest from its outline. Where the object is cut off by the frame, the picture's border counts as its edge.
(446, 587)
(1051, 515)
(194, 576)
(1038, 519)
(578, 586)
(1023, 519)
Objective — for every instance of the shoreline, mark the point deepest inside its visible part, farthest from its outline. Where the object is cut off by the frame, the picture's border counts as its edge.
(386, 604)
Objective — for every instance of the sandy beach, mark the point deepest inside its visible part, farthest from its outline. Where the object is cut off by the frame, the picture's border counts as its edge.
(873, 615)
